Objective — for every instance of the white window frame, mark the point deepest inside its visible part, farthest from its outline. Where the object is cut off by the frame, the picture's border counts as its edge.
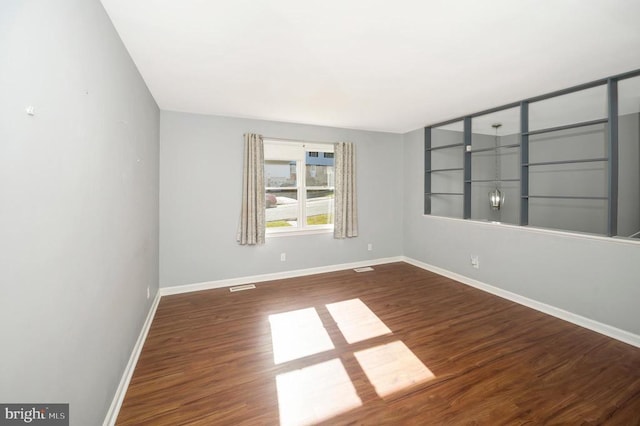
(295, 151)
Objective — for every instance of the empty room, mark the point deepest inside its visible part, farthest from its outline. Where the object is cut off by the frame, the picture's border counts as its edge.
(338, 212)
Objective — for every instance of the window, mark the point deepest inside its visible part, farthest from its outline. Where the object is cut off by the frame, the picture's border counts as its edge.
(299, 187)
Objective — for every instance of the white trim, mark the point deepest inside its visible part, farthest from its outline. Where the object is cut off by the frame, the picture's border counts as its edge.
(607, 330)
(118, 398)
(546, 231)
(166, 291)
(297, 231)
(314, 145)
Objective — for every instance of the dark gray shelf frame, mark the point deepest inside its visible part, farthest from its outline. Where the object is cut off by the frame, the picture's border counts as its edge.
(466, 207)
(524, 160)
(550, 163)
(568, 197)
(611, 159)
(495, 148)
(451, 169)
(568, 126)
(453, 145)
(445, 193)
(427, 166)
(612, 110)
(494, 180)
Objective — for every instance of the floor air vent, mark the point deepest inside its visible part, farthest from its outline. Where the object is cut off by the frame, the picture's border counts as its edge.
(242, 287)
(365, 269)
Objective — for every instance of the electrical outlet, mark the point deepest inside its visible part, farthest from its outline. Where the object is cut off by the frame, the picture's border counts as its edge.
(148, 292)
(283, 257)
(475, 261)
(370, 246)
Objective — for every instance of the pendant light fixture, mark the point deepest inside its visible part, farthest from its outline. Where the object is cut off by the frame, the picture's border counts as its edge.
(496, 197)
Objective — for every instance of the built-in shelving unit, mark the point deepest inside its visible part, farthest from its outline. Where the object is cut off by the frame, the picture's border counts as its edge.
(443, 178)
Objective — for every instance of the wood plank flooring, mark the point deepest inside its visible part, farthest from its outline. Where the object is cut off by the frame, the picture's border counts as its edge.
(209, 358)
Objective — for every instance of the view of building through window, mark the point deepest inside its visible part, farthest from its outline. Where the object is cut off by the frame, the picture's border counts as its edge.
(299, 186)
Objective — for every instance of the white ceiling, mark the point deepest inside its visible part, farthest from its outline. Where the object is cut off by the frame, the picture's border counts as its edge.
(370, 64)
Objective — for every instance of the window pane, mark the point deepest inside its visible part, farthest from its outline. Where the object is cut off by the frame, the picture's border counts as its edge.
(446, 205)
(447, 158)
(279, 173)
(481, 209)
(581, 143)
(447, 181)
(319, 170)
(495, 164)
(629, 157)
(575, 179)
(442, 156)
(575, 107)
(282, 208)
(586, 178)
(569, 214)
(483, 131)
(447, 134)
(320, 207)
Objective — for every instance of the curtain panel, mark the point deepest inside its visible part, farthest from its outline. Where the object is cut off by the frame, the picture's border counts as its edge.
(346, 214)
(251, 230)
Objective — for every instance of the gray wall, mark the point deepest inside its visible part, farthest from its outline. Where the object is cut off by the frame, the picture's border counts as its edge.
(595, 278)
(200, 188)
(79, 209)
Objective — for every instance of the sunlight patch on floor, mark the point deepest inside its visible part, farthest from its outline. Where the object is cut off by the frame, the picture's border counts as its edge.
(316, 393)
(321, 391)
(392, 367)
(296, 334)
(356, 321)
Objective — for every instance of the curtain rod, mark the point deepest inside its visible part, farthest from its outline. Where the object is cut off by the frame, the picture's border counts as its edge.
(295, 140)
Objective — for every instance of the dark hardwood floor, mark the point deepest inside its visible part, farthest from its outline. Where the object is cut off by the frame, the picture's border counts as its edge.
(454, 355)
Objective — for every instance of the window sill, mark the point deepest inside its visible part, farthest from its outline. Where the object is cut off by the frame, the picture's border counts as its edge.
(293, 233)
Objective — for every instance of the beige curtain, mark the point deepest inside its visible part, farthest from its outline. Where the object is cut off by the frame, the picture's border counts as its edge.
(252, 229)
(346, 215)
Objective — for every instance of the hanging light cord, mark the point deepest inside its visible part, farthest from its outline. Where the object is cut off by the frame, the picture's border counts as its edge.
(496, 197)
(496, 154)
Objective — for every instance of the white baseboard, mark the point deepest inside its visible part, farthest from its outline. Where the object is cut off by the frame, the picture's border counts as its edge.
(114, 409)
(166, 291)
(607, 330)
